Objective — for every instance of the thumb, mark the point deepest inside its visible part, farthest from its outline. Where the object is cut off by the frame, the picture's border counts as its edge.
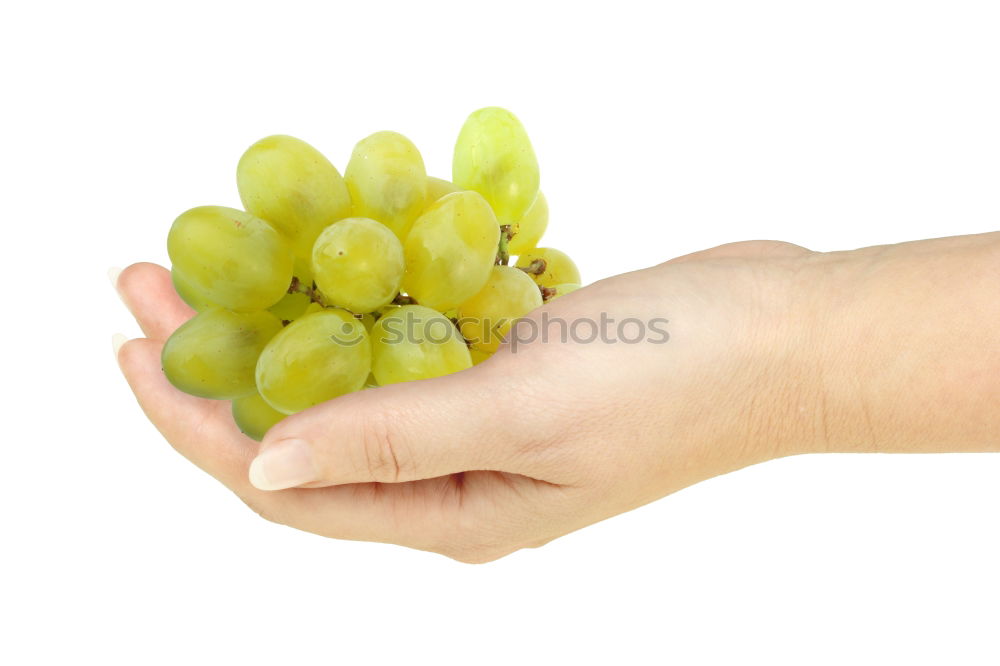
(402, 432)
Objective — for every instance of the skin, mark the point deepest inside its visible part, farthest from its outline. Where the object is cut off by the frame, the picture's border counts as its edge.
(774, 351)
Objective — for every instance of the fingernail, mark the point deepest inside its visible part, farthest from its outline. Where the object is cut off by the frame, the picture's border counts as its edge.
(285, 464)
(117, 340)
(113, 274)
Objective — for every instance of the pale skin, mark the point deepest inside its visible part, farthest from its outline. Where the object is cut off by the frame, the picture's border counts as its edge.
(774, 350)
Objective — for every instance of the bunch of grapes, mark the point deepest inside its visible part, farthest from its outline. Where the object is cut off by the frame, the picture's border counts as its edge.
(328, 284)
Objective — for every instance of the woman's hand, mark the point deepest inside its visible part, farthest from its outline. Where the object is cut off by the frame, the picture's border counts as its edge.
(739, 360)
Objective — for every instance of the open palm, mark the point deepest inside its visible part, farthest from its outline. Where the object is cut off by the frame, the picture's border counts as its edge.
(527, 446)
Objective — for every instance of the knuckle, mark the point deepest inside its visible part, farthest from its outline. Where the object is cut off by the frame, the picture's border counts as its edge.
(265, 512)
(475, 554)
(476, 544)
(382, 458)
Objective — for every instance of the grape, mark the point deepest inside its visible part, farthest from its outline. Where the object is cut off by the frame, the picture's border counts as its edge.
(230, 258)
(416, 342)
(187, 292)
(254, 416)
(318, 357)
(486, 317)
(380, 276)
(478, 356)
(438, 187)
(290, 307)
(558, 268)
(311, 308)
(293, 305)
(389, 309)
(450, 251)
(367, 320)
(529, 229)
(563, 289)
(213, 355)
(358, 264)
(290, 184)
(494, 157)
(387, 181)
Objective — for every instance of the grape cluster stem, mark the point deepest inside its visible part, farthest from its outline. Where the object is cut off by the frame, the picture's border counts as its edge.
(299, 287)
(503, 249)
(403, 299)
(536, 267)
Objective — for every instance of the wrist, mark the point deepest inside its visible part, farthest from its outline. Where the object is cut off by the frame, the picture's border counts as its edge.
(903, 340)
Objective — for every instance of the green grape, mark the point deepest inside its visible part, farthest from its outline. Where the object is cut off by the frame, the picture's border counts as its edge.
(494, 157)
(478, 356)
(318, 357)
(290, 184)
(389, 309)
(230, 258)
(438, 187)
(450, 251)
(529, 229)
(486, 317)
(358, 264)
(254, 416)
(367, 320)
(290, 307)
(559, 268)
(187, 291)
(416, 342)
(311, 308)
(562, 290)
(213, 355)
(387, 181)
(370, 382)
(293, 305)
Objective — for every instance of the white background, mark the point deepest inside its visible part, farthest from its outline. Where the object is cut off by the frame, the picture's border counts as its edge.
(661, 128)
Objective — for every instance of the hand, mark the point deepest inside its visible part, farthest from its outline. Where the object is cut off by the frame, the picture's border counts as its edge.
(773, 350)
(540, 440)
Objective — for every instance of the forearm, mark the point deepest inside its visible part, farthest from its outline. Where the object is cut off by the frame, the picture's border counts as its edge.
(909, 343)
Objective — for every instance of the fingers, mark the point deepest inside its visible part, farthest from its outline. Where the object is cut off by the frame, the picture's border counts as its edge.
(149, 294)
(203, 432)
(403, 432)
(472, 517)
(422, 430)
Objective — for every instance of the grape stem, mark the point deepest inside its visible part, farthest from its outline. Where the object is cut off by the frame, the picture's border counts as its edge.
(403, 299)
(299, 287)
(548, 293)
(503, 249)
(536, 267)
